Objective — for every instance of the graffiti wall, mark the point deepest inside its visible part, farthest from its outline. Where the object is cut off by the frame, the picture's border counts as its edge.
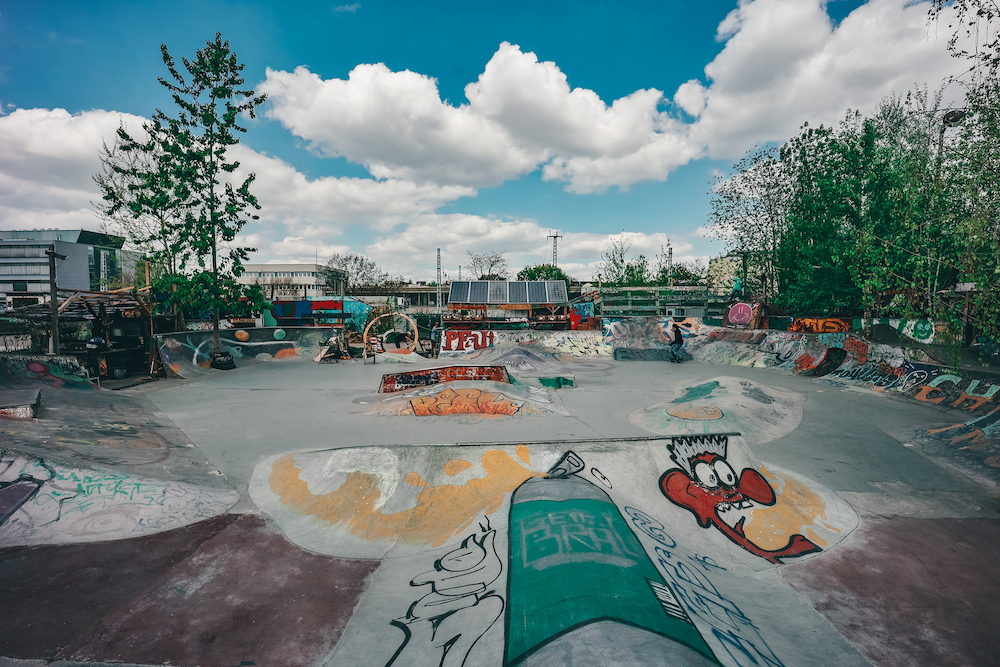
(535, 554)
(46, 502)
(187, 353)
(61, 371)
(580, 311)
(819, 325)
(568, 343)
(392, 382)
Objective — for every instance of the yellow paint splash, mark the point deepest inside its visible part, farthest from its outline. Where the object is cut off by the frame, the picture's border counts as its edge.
(414, 479)
(524, 454)
(798, 508)
(440, 512)
(453, 467)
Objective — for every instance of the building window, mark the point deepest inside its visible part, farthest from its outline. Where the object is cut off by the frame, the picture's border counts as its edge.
(20, 286)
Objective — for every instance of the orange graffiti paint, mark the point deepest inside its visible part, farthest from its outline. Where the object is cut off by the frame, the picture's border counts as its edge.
(924, 392)
(704, 413)
(287, 353)
(414, 479)
(455, 466)
(524, 454)
(798, 508)
(440, 512)
(464, 401)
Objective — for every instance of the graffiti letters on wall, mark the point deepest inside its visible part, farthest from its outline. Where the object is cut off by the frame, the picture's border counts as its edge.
(459, 339)
(819, 325)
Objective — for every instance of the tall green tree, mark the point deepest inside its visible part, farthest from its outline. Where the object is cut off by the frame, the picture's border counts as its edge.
(187, 173)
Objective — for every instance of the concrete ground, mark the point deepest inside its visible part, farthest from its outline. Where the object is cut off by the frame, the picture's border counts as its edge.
(329, 558)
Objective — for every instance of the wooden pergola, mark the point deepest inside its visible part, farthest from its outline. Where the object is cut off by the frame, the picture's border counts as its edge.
(81, 304)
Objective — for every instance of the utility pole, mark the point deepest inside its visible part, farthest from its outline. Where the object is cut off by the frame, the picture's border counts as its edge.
(555, 236)
(439, 283)
(670, 263)
(53, 298)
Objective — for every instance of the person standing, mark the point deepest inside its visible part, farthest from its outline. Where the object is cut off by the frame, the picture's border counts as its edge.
(677, 344)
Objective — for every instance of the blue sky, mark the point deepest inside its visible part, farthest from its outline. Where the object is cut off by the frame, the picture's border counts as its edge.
(590, 118)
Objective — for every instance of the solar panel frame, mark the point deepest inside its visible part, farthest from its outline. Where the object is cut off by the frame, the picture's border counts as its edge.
(479, 291)
(519, 292)
(557, 291)
(498, 292)
(459, 292)
(537, 292)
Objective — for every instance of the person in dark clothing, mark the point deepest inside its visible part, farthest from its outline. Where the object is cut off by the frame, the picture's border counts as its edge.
(676, 345)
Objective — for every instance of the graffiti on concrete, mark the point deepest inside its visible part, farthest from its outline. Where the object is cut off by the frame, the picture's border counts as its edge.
(688, 573)
(819, 325)
(580, 311)
(832, 358)
(752, 337)
(441, 628)
(568, 344)
(564, 528)
(981, 435)
(353, 487)
(725, 405)
(392, 382)
(461, 340)
(45, 502)
(482, 398)
(705, 484)
(18, 369)
(189, 352)
(948, 390)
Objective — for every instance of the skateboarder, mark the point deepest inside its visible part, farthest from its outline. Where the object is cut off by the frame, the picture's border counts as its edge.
(676, 345)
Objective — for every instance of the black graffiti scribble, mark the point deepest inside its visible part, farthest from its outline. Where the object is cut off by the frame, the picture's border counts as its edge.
(441, 627)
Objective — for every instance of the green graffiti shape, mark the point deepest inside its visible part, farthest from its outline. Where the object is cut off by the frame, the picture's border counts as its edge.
(694, 393)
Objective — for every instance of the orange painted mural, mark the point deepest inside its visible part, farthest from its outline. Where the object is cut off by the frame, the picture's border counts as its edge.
(441, 510)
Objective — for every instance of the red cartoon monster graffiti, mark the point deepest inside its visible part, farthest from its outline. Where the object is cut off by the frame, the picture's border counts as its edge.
(706, 485)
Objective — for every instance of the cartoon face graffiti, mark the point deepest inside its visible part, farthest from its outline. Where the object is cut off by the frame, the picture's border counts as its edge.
(706, 485)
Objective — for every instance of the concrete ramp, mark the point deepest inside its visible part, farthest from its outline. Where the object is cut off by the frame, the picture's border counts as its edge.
(723, 405)
(185, 353)
(45, 501)
(616, 552)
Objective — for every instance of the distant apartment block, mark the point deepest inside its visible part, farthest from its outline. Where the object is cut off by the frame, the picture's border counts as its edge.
(94, 262)
(289, 282)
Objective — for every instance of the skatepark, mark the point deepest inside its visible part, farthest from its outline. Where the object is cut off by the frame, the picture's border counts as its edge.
(527, 498)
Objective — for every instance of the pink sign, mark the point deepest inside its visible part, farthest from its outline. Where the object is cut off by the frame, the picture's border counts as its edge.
(740, 313)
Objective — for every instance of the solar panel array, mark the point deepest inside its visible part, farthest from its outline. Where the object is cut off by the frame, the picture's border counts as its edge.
(503, 292)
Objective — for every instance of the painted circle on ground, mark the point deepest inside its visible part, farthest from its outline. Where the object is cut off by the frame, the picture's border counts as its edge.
(279, 334)
(740, 313)
(242, 335)
(703, 413)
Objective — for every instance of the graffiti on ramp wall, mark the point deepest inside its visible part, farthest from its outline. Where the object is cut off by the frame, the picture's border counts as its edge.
(518, 555)
(47, 502)
(705, 484)
(442, 627)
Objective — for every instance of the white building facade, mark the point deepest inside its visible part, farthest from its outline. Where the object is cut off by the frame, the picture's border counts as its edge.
(288, 282)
